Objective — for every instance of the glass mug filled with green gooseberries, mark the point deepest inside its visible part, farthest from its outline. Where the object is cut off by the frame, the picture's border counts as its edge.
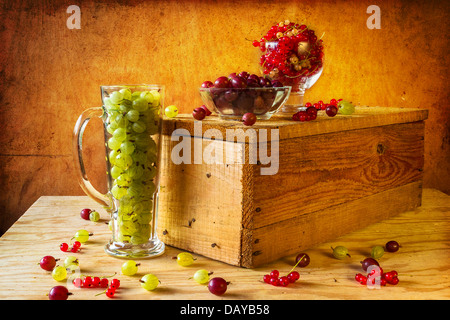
(131, 116)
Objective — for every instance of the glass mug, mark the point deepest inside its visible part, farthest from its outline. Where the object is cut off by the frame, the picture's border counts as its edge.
(131, 116)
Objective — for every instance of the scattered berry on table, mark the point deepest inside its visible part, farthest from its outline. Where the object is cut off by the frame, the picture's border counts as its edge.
(85, 213)
(59, 293)
(392, 246)
(48, 263)
(217, 286)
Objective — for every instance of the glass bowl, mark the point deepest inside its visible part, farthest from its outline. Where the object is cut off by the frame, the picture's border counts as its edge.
(233, 103)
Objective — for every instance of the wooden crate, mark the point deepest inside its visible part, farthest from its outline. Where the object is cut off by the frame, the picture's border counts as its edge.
(335, 175)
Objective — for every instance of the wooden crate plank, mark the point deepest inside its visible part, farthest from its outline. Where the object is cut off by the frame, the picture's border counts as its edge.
(302, 232)
(364, 117)
(320, 171)
(200, 205)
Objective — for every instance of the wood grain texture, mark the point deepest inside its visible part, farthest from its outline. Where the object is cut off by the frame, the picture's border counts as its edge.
(423, 261)
(49, 74)
(301, 232)
(320, 171)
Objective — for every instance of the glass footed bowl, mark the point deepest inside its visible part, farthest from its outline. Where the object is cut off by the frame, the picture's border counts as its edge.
(233, 103)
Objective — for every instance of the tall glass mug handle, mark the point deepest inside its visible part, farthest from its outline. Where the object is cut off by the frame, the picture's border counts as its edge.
(77, 144)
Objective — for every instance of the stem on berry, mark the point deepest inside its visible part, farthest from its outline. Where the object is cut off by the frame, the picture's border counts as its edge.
(297, 263)
(100, 293)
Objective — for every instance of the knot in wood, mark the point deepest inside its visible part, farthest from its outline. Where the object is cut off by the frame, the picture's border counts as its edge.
(381, 148)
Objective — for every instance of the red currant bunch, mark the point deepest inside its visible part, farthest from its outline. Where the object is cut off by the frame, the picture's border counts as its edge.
(76, 246)
(376, 273)
(274, 278)
(310, 113)
(90, 282)
(111, 291)
(290, 51)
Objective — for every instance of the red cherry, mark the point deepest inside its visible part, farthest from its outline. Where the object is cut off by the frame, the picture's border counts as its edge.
(207, 84)
(85, 213)
(207, 112)
(249, 119)
(48, 263)
(311, 111)
(199, 114)
(331, 110)
(222, 82)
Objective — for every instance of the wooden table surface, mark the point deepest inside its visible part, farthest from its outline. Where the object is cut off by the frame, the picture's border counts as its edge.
(423, 261)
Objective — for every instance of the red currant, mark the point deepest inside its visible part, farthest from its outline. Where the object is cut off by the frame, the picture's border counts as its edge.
(293, 276)
(311, 111)
(394, 281)
(274, 273)
(303, 116)
(274, 281)
(104, 283)
(77, 282)
(361, 278)
(284, 281)
(87, 282)
(110, 292)
(115, 283)
(267, 278)
(64, 247)
(96, 282)
(76, 244)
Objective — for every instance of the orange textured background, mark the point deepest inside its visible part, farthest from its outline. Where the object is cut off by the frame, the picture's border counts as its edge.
(50, 74)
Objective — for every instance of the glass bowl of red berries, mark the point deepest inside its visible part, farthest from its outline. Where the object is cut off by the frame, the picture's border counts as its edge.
(234, 95)
(293, 54)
